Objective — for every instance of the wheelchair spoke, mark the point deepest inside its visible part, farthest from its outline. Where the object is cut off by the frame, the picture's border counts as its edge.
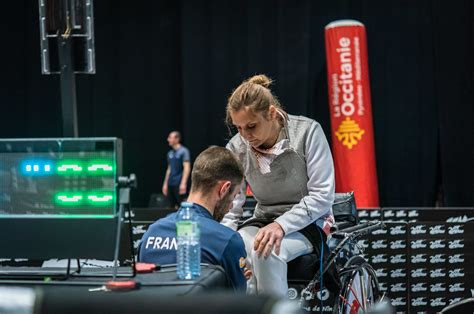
(362, 290)
(356, 299)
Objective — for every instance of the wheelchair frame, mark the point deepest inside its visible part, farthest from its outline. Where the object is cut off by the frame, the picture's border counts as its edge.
(359, 285)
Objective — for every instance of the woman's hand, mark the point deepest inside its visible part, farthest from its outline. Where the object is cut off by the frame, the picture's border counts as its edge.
(268, 238)
(247, 273)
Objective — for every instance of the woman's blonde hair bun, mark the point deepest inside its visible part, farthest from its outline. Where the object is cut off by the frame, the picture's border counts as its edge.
(260, 79)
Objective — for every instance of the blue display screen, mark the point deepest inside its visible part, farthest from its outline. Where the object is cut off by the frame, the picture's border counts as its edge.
(58, 177)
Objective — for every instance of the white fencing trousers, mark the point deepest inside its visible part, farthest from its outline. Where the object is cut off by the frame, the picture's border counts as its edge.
(270, 274)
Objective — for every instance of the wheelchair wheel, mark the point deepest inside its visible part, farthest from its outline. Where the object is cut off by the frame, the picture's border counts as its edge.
(360, 287)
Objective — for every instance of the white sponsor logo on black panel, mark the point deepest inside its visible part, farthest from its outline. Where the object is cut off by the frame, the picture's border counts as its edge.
(460, 219)
(383, 286)
(380, 231)
(381, 272)
(438, 258)
(457, 229)
(437, 244)
(400, 301)
(379, 244)
(456, 258)
(375, 213)
(398, 287)
(438, 272)
(437, 302)
(420, 301)
(396, 273)
(419, 229)
(400, 213)
(419, 287)
(457, 272)
(398, 259)
(139, 229)
(398, 244)
(363, 243)
(439, 229)
(456, 287)
(419, 272)
(397, 230)
(437, 287)
(418, 258)
(379, 258)
(418, 244)
(454, 300)
(456, 244)
(136, 243)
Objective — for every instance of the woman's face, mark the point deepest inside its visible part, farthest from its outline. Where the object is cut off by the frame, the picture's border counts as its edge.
(257, 130)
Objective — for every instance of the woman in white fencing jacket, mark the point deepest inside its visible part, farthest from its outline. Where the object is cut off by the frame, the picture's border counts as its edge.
(288, 165)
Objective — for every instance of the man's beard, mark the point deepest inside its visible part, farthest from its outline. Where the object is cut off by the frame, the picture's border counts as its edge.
(222, 208)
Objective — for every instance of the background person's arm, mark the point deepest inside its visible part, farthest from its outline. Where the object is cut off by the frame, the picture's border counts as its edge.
(164, 189)
(183, 186)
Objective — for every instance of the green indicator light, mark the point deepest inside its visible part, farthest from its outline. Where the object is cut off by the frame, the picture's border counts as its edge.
(100, 167)
(68, 198)
(100, 199)
(70, 168)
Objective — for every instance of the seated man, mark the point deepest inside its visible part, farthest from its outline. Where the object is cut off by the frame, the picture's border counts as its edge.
(216, 179)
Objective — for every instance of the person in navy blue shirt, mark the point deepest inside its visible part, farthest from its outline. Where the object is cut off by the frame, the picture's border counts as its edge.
(216, 179)
(177, 173)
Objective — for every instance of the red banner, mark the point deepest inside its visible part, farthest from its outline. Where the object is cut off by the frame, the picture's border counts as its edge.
(351, 111)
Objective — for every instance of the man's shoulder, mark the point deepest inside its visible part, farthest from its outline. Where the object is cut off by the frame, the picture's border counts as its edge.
(183, 148)
(221, 231)
(182, 151)
(168, 220)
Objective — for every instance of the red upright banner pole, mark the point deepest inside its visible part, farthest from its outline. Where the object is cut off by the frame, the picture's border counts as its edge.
(351, 111)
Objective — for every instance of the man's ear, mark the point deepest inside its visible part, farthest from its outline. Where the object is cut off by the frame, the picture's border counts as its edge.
(224, 189)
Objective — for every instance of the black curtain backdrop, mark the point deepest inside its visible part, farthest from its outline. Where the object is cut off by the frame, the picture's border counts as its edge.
(166, 65)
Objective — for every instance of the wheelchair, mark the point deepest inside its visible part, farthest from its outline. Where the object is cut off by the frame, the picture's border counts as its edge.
(360, 290)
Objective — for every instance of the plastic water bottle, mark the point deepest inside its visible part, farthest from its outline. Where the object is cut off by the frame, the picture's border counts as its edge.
(189, 247)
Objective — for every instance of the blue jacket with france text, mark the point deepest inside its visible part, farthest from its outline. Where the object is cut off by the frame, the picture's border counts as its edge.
(220, 245)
